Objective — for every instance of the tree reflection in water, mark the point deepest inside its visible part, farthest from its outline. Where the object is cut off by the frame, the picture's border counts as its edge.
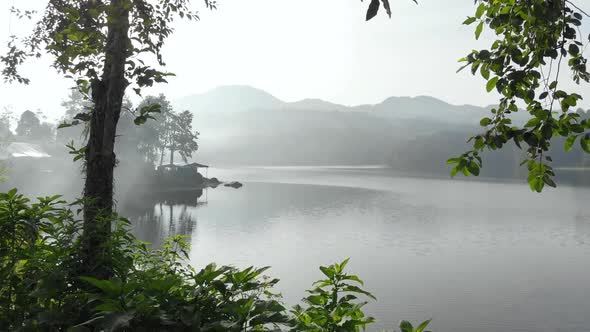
(158, 215)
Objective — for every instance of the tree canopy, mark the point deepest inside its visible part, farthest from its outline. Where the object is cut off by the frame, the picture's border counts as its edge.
(538, 44)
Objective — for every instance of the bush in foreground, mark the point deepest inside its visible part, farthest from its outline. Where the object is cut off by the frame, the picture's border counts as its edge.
(150, 290)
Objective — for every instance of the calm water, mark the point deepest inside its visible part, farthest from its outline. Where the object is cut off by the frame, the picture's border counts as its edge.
(474, 256)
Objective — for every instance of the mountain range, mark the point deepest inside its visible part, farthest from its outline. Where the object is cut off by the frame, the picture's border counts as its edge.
(242, 98)
(242, 125)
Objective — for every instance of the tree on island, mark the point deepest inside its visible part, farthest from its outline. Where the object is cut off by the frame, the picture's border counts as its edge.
(169, 134)
(179, 136)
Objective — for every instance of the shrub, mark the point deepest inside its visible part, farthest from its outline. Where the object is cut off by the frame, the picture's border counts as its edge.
(150, 290)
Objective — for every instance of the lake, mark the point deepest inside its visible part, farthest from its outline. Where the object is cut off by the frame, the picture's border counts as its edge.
(475, 256)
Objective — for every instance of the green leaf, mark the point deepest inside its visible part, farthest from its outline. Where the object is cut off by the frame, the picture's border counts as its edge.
(569, 143)
(473, 168)
(548, 181)
(485, 72)
(485, 122)
(340, 267)
(423, 326)
(106, 286)
(469, 20)
(316, 300)
(454, 171)
(453, 161)
(480, 10)
(356, 289)
(64, 125)
(328, 272)
(536, 184)
(478, 30)
(585, 143)
(406, 326)
(491, 85)
(353, 278)
(574, 49)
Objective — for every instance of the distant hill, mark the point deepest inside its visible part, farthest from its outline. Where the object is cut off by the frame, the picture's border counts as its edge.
(229, 99)
(314, 105)
(241, 98)
(241, 125)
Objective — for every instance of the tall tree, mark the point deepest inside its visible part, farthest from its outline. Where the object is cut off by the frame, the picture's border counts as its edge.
(102, 45)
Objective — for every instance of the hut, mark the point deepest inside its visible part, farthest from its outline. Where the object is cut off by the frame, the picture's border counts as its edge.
(180, 175)
(196, 166)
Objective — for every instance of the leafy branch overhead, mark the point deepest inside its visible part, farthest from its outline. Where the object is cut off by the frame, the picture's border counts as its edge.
(537, 43)
(376, 4)
(76, 34)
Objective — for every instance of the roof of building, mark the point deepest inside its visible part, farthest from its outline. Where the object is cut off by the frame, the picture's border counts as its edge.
(191, 165)
(21, 149)
(199, 165)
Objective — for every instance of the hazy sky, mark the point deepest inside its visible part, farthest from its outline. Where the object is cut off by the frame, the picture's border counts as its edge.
(298, 49)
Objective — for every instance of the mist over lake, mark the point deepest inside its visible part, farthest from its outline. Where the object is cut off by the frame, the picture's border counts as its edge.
(475, 256)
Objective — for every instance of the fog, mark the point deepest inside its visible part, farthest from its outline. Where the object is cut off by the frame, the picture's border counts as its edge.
(308, 136)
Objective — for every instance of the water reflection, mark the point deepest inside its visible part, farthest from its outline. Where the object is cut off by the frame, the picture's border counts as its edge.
(159, 215)
(475, 256)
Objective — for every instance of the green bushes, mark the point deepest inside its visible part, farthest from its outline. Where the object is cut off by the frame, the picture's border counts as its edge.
(151, 290)
(333, 305)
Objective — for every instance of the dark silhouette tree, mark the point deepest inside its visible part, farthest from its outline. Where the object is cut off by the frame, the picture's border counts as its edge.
(28, 124)
(182, 138)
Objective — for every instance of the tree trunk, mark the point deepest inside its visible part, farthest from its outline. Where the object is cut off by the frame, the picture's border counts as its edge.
(171, 157)
(107, 96)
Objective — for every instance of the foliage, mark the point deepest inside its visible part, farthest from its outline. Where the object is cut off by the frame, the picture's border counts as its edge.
(27, 124)
(77, 109)
(162, 293)
(150, 289)
(170, 133)
(537, 40)
(43, 289)
(105, 47)
(38, 263)
(406, 326)
(374, 8)
(75, 33)
(179, 136)
(332, 305)
(40, 248)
